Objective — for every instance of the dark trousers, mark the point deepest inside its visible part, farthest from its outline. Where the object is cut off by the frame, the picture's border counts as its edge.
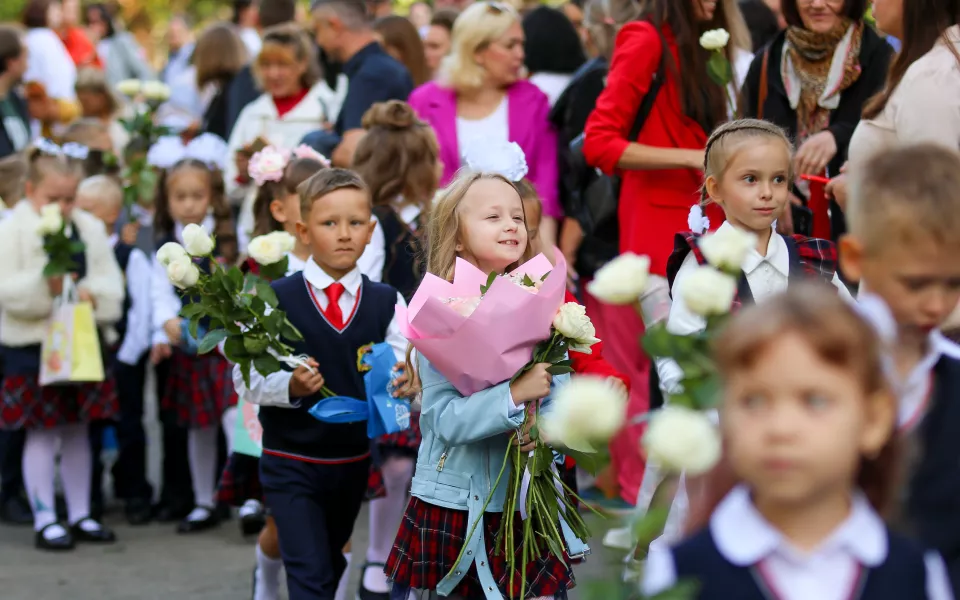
(315, 507)
(176, 489)
(11, 463)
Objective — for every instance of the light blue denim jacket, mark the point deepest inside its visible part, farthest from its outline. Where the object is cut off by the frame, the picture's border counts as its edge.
(465, 439)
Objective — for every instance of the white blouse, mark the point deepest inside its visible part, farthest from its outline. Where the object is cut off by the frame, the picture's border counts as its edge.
(745, 538)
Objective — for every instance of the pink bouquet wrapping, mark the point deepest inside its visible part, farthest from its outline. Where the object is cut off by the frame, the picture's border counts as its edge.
(478, 340)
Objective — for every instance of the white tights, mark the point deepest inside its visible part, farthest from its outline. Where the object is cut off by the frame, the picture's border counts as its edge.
(202, 455)
(39, 472)
(385, 516)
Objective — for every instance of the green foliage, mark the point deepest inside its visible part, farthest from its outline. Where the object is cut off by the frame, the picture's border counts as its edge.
(60, 251)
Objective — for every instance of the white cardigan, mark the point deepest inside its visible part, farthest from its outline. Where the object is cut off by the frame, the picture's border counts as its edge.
(321, 105)
(25, 300)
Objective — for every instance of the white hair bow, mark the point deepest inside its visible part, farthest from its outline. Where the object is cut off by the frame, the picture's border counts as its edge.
(696, 221)
(206, 148)
(68, 150)
(489, 155)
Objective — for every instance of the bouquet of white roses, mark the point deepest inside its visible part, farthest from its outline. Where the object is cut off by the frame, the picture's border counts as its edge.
(139, 179)
(242, 309)
(59, 247)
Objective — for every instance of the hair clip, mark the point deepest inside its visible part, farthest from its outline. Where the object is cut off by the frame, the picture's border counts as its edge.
(488, 155)
(268, 164)
(75, 151)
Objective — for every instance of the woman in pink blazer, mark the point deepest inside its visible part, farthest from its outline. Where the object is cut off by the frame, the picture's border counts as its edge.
(480, 95)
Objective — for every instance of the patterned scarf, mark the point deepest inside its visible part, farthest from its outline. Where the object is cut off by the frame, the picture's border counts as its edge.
(811, 60)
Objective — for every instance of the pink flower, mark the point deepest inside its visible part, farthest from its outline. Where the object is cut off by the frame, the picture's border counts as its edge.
(464, 306)
(268, 164)
(305, 151)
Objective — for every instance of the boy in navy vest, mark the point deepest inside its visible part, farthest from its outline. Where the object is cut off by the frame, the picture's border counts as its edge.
(314, 474)
(903, 246)
(101, 196)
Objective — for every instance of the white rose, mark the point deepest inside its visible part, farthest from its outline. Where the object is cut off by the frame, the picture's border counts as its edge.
(51, 219)
(727, 248)
(707, 291)
(182, 272)
(589, 410)
(197, 241)
(682, 439)
(169, 252)
(266, 249)
(622, 280)
(129, 87)
(287, 242)
(156, 90)
(572, 322)
(715, 39)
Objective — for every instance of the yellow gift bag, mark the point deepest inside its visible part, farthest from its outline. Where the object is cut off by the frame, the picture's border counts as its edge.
(71, 349)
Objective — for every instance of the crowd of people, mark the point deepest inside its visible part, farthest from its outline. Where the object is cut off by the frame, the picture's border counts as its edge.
(381, 144)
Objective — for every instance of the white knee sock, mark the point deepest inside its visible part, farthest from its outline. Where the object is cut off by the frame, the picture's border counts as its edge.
(202, 454)
(344, 580)
(39, 464)
(385, 516)
(268, 582)
(75, 466)
(229, 423)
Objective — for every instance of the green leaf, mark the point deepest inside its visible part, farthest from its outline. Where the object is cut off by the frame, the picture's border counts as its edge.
(192, 309)
(250, 283)
(545, 275)
(559, 369)
(255, 346)
(288, 331)
(527, 281)
(706, 395)
(236, 279)
(234, 349)
(685, 589)
(245, 371)
(76, 247)
(210, 341)
(718, 68)
(585, 461)
(490, 279)
(266, 364)
(650, 526)
(266, 293)
(275, 271)
(194, 325)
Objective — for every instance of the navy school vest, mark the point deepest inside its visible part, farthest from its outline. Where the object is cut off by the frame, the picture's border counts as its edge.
(295, 433)
(403, 267)
(25, 360)
(933, 505)
(903, 575)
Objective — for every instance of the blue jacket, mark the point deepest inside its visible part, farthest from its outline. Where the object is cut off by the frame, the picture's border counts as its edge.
(465, 440)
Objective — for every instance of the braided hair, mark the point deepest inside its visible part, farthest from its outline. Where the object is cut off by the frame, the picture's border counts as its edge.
(726, 138)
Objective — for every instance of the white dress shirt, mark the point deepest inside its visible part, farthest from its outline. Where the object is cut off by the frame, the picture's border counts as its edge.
(136, 341)
(766, 274)
(374, 256)
(744, 538)
(165, 301)
(274, 389)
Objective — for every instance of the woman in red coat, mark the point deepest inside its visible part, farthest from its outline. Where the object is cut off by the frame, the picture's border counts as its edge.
(660, 169)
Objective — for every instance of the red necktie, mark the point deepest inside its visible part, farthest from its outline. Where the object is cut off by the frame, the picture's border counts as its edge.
(334, 314)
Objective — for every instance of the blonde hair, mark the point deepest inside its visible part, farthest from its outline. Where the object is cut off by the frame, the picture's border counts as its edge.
(727, 139)
(906, 195)
(476, 28)
(443, 230)
(102, 188)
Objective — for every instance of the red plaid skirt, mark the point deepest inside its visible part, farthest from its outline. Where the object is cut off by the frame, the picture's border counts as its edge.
(26, 405)
(199, 388)
(431, 537)
(240, 480)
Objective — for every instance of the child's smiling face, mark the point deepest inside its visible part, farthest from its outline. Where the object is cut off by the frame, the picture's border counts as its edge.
(796, 426)
(493, 231)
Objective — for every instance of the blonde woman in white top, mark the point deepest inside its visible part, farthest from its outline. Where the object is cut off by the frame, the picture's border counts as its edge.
(295, 102)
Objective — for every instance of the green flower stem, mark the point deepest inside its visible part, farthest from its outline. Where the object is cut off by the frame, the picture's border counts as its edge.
(473, 528)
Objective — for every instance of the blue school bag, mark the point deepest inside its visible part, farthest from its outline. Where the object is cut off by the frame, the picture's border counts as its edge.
(383, 413)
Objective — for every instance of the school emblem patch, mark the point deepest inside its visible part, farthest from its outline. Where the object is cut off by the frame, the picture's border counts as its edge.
(363, 365)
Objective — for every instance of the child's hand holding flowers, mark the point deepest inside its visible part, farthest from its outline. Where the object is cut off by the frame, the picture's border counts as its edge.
(60, 249)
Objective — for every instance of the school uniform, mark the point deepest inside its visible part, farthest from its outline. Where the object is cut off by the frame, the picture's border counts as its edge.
(315, 472)
(741, 556)
(199, 387)
(787, 260)
(26, 306)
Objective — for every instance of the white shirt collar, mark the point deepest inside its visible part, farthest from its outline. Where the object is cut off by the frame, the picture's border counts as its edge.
(777, 255)
(408, 214)
(745, 538)
(208, 224)
(319, 279)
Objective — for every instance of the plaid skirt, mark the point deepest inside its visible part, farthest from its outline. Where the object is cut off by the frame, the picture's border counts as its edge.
(430, 539)
(199, 388)
(240, 480)
(26, 405)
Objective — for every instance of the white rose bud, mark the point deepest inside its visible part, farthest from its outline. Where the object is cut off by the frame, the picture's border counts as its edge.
(51, 219)
(169, 252)
(197, 241)
(156, 91)
(589, 410)
(287, 242)
(707, 291)
(129, 87)
(682, 439)
(727, 248)
(715, 39)
(622, 280)
(266, 249)
(182, 272)
(572, 322)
